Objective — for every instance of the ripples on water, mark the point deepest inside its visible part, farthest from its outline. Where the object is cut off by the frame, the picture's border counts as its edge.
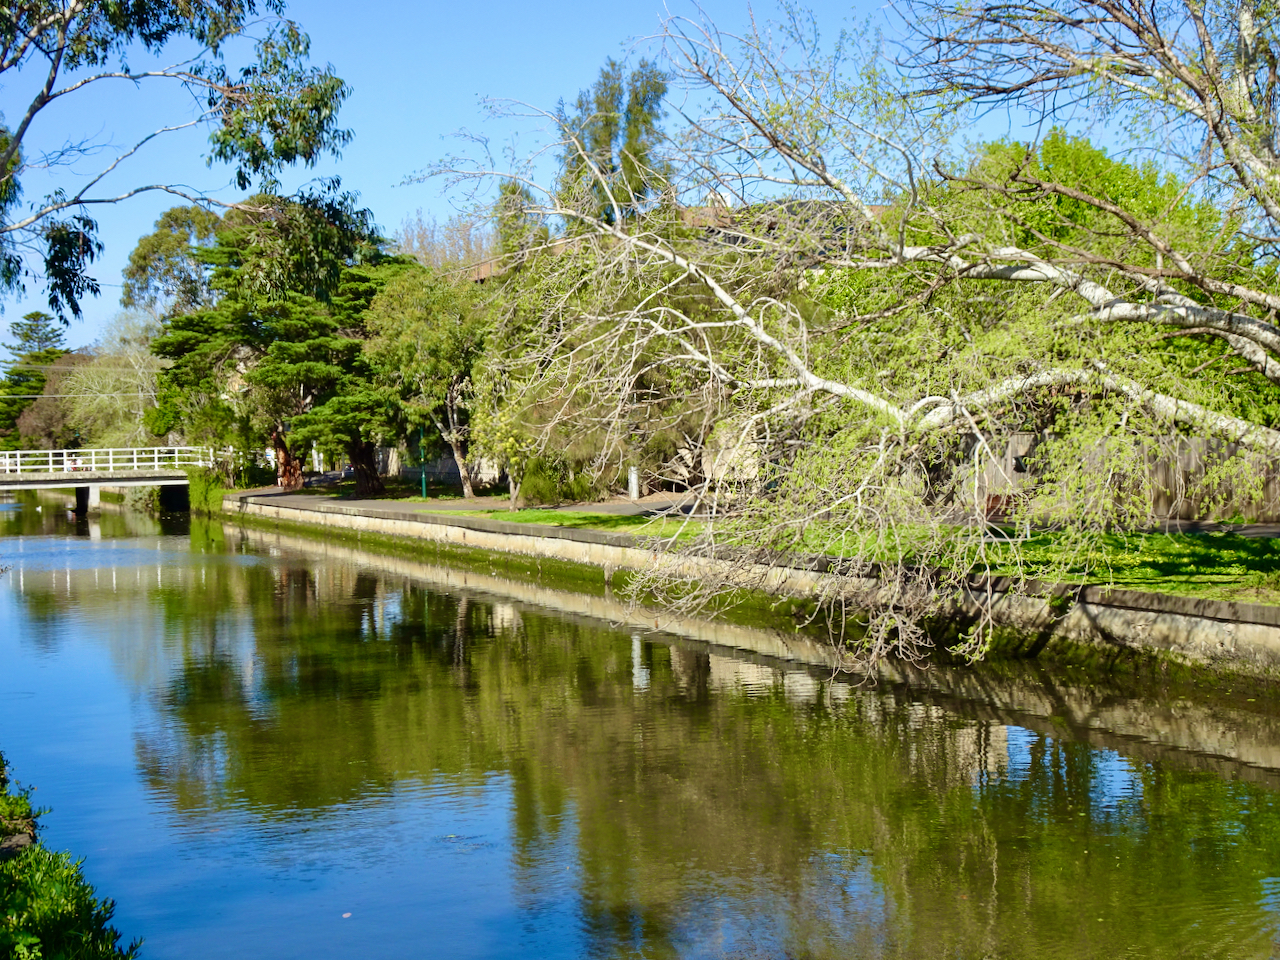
(249, 739)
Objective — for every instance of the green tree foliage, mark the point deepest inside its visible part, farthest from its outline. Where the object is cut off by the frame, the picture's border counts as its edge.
(248, 369)
(298, 244)
(39, 341)
(274, 112)
(196, 392)
(357, 412)
(1075, 164)
(989, 334)
(243, 370)
(518, 229)
(610, 137)
(428, 333)
(35, 332)
(165, 274)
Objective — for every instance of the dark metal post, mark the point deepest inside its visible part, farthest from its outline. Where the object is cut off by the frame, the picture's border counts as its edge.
(422, 459)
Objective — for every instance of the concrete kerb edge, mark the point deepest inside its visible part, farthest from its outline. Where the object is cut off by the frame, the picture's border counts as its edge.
(1242, 635)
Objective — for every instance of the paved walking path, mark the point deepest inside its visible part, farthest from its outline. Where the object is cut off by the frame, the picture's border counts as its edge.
(619, 506)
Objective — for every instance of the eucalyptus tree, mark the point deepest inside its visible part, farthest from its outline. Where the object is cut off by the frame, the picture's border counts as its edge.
(275, 111)
(874, 314)
(166, 273)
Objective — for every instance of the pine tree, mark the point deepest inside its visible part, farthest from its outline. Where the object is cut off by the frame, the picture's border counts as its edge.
(610, 138)
(38, 341)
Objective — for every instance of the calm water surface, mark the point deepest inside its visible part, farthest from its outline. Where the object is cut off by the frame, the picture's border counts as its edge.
(248, 741)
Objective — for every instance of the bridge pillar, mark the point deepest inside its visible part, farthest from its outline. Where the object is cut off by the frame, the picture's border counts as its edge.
(88, 499)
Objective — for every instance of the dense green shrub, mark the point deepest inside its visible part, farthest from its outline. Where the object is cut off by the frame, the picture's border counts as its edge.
(205, 489)
(16, 815)
(49, 912)
(539, 484)
(550, 481)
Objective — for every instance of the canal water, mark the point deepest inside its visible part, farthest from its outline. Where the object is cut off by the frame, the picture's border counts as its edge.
(265, 749)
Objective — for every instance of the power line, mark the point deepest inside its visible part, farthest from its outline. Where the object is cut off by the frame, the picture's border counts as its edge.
(66, 396)
(77, 368)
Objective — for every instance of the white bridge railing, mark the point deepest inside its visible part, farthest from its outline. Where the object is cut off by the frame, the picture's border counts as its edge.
(111, 460)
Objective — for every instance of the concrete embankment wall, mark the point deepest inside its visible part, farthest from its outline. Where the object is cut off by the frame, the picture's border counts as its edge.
(1241, 637)
(589, 547)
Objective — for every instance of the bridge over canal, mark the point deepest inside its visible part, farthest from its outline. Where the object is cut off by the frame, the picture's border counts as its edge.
(89, 470)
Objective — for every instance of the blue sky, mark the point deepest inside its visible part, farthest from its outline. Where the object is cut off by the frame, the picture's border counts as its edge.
(418, 73)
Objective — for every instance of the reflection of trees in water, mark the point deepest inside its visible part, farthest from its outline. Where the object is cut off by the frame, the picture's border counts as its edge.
(816, 818)
(726, 782)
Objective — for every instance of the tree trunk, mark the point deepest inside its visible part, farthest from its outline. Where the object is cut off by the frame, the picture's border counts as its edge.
(513, 488)
(288, 467)
(454, 436)
(364, 461)
(464, 470)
